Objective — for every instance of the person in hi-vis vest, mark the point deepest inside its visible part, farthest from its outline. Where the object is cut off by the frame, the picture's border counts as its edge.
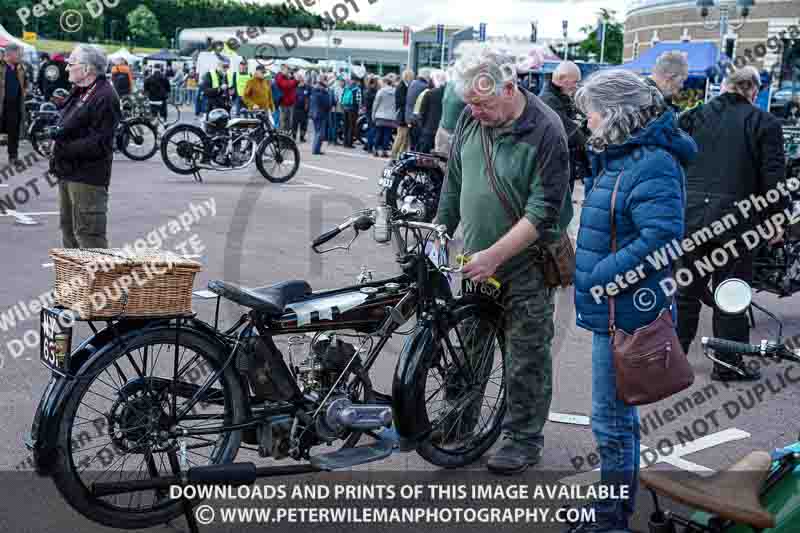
(240, 82)
(219, 86)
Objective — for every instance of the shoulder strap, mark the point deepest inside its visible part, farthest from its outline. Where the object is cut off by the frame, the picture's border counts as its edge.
(611, 308)
(487, 156)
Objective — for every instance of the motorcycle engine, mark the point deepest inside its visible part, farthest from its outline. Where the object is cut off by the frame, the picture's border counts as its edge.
(219, 150)
(327, 358)
(317, 375)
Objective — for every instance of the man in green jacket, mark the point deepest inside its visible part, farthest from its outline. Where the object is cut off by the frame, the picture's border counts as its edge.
(529, 154)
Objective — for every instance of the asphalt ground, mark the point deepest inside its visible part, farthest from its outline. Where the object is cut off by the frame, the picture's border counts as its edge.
(260, 234)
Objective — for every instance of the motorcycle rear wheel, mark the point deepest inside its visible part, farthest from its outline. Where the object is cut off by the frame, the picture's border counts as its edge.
(139, 133)
(187, 152)
(136, 412)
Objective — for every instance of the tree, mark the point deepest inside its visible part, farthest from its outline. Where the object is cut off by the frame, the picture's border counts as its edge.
(614, 39)
(143, 26)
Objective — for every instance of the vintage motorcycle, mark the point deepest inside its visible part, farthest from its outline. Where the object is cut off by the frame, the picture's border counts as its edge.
(149, 402)
(776, 268)
(231, 144)
(413, 183)
(760, 491)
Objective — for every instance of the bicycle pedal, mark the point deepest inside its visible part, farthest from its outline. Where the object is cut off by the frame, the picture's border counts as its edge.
(349, 457)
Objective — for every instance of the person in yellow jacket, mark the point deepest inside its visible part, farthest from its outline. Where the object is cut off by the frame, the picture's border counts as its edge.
(258, 93)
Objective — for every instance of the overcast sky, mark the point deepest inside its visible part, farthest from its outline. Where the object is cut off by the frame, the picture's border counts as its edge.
(503, 17)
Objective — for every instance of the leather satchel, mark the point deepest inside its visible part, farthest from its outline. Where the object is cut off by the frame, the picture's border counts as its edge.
(558, 259)
(649, 363)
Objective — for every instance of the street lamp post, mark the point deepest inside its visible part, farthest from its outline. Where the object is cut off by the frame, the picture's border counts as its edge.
(742, 6)
(564, 24)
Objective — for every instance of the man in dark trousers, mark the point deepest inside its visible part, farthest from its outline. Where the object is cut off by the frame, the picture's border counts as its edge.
(301, 103)
(351, 103)
(558, 94)
(84, 150)
(13, 86)
(157, 89)
(430, 115)
(741, 157)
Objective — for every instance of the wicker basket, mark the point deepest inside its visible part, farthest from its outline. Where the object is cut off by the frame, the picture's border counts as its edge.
(105, 283)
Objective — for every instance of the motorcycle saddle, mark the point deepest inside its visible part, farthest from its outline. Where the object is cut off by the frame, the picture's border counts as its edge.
(732, 493)
(270, 300)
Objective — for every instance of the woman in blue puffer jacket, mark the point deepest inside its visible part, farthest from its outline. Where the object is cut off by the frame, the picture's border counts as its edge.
(634, 137)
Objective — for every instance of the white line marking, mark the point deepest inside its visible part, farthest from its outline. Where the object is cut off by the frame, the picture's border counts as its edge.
(204, 294)
(307, 184)
(12, 213)
(47, 265)
(4, 185)
(674, 459)
(353, 155)
(320, 169)
(568, 418)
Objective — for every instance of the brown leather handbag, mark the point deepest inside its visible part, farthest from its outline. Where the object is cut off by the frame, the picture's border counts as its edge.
(649, 363)
(558, 259)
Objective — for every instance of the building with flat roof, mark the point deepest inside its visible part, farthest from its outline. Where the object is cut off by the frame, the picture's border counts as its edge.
(380, 52)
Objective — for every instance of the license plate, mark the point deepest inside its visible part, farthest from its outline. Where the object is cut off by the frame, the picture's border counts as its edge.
(387, 172)
(385, 182)
(55, 341)
(482, 288)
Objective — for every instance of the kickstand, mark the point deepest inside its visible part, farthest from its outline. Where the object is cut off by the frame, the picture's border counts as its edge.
(752, 317)
(190, 518)
(197, 177)
(186, 504)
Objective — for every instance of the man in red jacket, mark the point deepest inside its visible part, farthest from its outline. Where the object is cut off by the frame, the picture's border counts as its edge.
(288, 85)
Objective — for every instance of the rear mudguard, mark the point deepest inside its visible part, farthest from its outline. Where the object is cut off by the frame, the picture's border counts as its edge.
(410, 416)
(44, 430)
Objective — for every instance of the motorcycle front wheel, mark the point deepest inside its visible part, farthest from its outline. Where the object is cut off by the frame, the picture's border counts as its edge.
(454, 387)
(114, 424)
(278, 158)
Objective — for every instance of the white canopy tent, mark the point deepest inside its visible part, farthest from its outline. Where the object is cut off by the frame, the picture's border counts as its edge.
(124, 53)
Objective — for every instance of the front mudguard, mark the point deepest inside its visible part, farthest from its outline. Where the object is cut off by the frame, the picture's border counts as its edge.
(43, 439)
(410, 416)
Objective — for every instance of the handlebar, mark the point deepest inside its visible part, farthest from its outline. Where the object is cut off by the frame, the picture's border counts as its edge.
(364, 220)
(765, 349)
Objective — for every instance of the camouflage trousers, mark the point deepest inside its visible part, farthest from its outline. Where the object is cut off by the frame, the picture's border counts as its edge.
(527, 337)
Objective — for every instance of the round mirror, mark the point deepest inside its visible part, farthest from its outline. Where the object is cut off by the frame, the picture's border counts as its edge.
(733, 296)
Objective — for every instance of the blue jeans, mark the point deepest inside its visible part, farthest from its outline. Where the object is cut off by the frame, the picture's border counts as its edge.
(276, 117)
(335, 126)
(616, 429)
(383, 136)
(320, 132)
(200, 103)
(371, 132)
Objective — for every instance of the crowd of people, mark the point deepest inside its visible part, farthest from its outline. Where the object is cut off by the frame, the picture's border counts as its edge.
(419, 112)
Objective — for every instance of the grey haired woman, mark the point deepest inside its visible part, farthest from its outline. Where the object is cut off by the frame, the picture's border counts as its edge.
(635, 140)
